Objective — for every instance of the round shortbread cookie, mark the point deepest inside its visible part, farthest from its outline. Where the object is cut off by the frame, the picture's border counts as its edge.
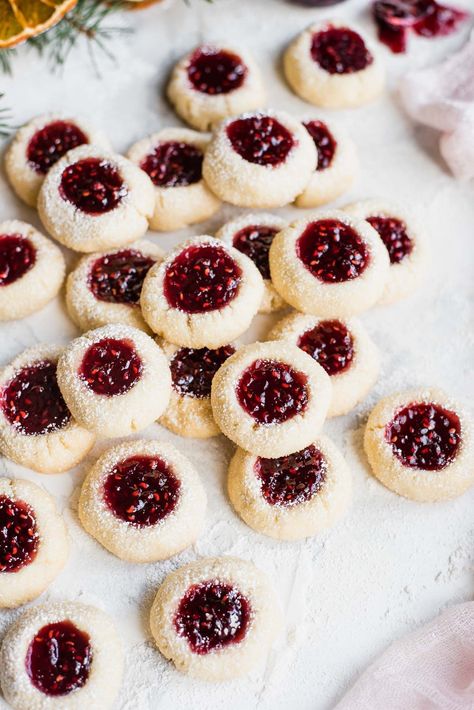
(63, 655)
(342, 347)
(215, 619)
(34, 544)
(204, 294)
(252, 234)
(92, 200)
(31, 270)
(143, 501)
(336, 168)
(173, 159)
(294, 496)
(36, 426)
(420, 444)
(404, 241)
(270, 398)
(331, 65)
(105, 288)
(331, 265)
(39, 144)
(214, 82)
(115, 380)
(262, 159)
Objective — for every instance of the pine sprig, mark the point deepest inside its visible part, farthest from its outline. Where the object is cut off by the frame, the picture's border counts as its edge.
(5, 120)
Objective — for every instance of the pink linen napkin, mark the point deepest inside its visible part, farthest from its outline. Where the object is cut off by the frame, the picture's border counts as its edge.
(430, 669)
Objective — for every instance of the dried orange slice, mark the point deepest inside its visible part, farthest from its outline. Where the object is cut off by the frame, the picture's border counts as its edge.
(22, 19)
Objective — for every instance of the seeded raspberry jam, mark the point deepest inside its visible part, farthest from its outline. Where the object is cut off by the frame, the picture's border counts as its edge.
(51, 142)
(424, 436)
(393, 233)
(141, 490)
(118, 278)
(324, 141)
(332, 251)
(260, 139)
(294, 479)
(93, 186)
(19, 537)
(111, 367)
(211, 616)
(17, 256)
(216, 71)
(174, 164)
(272, 392)
(202, 278)
(255, 241)
(59, 659)
(340, 50)
(32, 402)
(193, 369)
(330, 344)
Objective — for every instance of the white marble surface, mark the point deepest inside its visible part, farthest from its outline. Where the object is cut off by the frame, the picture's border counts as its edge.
(391, 564)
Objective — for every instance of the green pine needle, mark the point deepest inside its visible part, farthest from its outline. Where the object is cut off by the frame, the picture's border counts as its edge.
(5, 120)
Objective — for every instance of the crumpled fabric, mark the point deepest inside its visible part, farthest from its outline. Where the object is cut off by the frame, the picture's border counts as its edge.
(430, 669)
(442, 97)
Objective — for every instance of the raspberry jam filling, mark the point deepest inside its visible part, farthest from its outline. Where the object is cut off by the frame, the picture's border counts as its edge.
(332, 251)
(51, 142)
(92, 185)
(292, 480)
(255, 241)
(260, 139)
(111, 367)
(330, 344)
(141, 490)
(393, 233)
(202, 278)
(211, 616)
(32, 402)
(193, 369)
(59, 658)
(17, 256)
(19, 538)
(216, 71)
(272, 392)
(324, 141)
(174, 164)
(424, 436)
(118, 278)
(340, 50)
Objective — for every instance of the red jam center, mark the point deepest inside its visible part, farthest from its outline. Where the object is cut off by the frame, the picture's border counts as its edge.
(141, 490)
(51, 142)
(192, 370)
(202, 278)
(424, 436)
(330, 344)
(215, 71)
(211, 616)
(93, 186)
(118, 278)
(340, 50)
(19, 537)
(111, 367)
(255, 242)
(260, 139)
(32, 402)
(324, 142)
(393, 233)
(292, 480)
(59, 658)
(332, 251)
(272, 392)
(17, 256)
(174, 164)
